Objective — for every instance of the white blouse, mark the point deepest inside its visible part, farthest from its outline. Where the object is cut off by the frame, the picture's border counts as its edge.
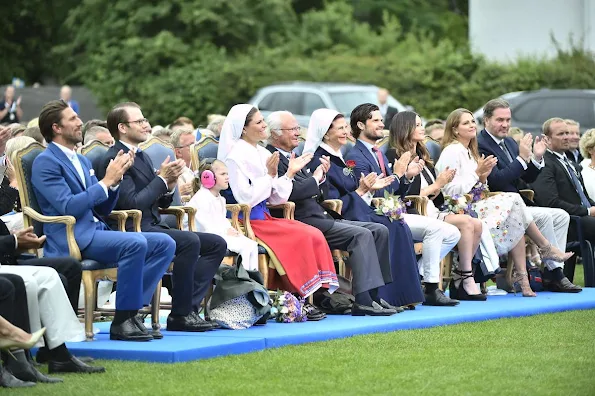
(456, 156)
(210, 212)
(249, 179)
(588, 175)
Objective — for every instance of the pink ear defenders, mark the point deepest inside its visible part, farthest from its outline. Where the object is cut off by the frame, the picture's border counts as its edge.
(207, 179)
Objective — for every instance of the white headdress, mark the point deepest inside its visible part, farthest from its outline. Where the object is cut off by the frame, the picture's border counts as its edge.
(232, 128)
(320, 122)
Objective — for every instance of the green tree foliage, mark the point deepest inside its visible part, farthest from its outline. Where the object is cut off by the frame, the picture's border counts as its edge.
(195, 57)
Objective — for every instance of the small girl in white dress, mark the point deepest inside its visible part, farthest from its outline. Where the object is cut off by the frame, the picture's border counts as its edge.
(211, 212)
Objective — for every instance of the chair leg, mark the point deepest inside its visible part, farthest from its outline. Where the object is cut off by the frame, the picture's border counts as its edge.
(155, 305)
(263, 267)
(90, 288)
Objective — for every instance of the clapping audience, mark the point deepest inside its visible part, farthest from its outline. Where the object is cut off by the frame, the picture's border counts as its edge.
(40, 296)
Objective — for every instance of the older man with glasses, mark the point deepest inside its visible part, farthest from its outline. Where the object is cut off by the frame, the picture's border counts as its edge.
(182, 139)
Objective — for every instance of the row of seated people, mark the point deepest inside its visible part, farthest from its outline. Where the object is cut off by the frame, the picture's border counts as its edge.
(65, 184)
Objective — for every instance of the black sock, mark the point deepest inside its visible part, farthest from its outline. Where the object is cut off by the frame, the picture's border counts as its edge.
(431, 287)
(374, 295)
(557, 274)
(60, 353)
(363, 298)
(123, 315)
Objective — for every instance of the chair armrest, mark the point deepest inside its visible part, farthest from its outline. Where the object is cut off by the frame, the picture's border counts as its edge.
(191, 212)
(177, 211)
(288, 209)
(529, 194)
(69, 221)
(246, 209)
(336, 205)
(419, 203)
(120, 216)
(376, 202)
(235, 210)
(134, 214)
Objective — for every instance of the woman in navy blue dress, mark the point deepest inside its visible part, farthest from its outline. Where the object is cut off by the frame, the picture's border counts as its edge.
(327, 133)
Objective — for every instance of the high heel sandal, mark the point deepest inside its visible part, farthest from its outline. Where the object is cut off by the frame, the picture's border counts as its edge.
(550, 252)
(520, 279)
(459, 293)
(7, 344)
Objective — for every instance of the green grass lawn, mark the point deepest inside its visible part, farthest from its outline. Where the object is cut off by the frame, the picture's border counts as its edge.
(550, 354)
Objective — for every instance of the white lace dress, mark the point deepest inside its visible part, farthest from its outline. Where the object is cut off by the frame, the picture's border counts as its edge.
(505, 214)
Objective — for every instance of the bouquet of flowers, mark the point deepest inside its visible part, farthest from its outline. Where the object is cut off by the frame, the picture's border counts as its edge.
(287, 308)
(392, 207)
(479, 191)
(457, 204)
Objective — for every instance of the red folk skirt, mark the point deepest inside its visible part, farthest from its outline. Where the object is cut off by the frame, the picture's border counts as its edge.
(301, 256)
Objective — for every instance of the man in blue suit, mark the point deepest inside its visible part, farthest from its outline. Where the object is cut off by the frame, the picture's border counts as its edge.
(519, 164)
(65, 185)
(438, 237)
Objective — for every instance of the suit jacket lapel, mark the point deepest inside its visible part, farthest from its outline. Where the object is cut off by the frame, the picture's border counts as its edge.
(368, 155)
(66, 161)
(496, 149)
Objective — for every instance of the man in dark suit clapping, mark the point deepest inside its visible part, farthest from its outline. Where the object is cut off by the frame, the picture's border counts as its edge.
(198, 255)
(367, 243)
(519, 164)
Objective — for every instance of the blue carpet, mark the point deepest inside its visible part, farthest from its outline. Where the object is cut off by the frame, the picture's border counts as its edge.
(183, 346)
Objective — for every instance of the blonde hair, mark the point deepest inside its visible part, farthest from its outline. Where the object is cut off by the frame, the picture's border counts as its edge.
(205, 164)
(15, 144)
(452, 122)
(568, 121)
(546, 125)
(587, 142)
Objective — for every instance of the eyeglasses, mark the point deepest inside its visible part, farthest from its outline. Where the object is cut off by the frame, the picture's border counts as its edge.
(294, 129)
(137, 122)
(182, 147)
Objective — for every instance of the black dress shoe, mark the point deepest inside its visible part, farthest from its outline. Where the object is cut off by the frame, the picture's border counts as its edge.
(128, 331)
(43, 356)
(8, 380)
(386, 305)
(187, 323)
(374, 310)
(563, 286)
(312, 313)
(439, 299)
(139, 319)
(214, 325)
(21, 368)
(73, 365)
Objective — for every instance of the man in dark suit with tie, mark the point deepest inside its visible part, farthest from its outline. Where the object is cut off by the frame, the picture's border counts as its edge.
(198, 255)
(64, 184)
(519, 164)
(367, 243)
(560, 185)
(573, 153)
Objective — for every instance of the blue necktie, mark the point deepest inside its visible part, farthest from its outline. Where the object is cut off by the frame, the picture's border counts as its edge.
(577, 184)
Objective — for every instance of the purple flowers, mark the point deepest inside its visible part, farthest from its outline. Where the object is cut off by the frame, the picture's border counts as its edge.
(288, 308)
(392, 207)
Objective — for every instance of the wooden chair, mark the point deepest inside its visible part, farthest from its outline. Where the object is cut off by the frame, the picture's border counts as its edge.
(339, 257)
(94, 151)
(93, 271)
(205, 148)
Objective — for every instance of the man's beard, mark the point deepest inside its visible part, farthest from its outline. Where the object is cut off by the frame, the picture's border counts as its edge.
(372, 135)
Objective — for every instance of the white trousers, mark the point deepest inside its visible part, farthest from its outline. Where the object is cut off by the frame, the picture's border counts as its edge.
(553, 225)
(48, 303)
(438, 239)
(246, 248)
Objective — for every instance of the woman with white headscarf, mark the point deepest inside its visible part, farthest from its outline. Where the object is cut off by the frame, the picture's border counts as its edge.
(327, 132)
(299, 252)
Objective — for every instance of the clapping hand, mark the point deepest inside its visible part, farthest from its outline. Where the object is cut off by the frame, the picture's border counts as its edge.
(415, 167)
(539, 148)
(272, 164)
(445, 176)
(297, 163)
(401, 164)
(366, 183)
(485, 166)
(526, 147)
(382, 182)
(322, 169)
(116, 168)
